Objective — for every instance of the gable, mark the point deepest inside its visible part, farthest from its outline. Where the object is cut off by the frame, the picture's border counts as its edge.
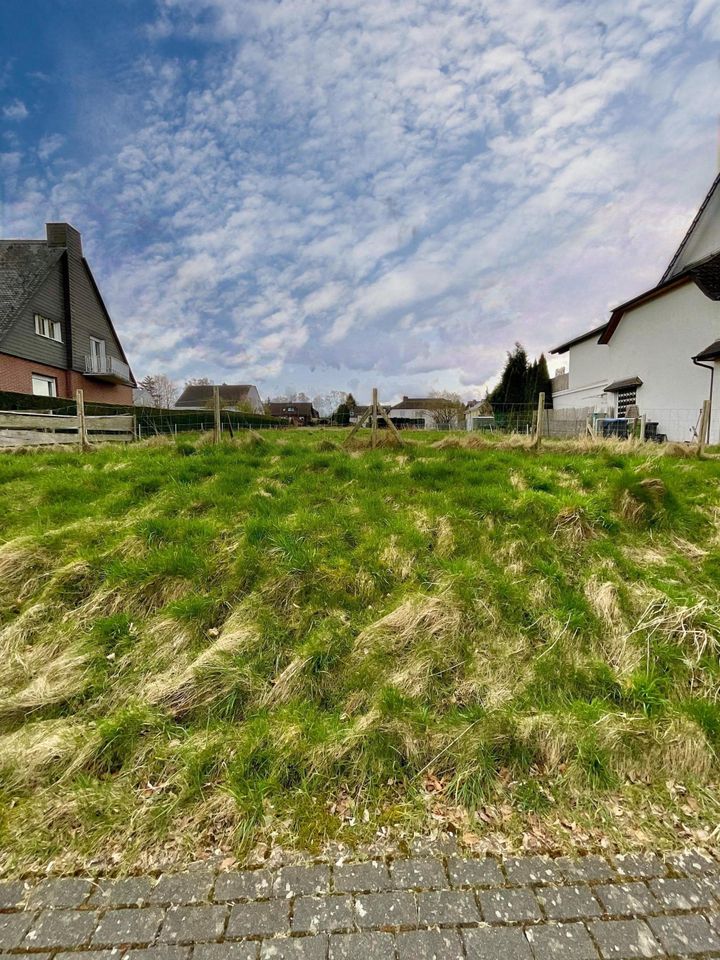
(24, 264)
(703, 236)
(48, 300)
(89, 317)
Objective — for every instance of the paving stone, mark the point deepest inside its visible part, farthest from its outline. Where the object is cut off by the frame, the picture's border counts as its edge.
(483, 872)
(241, 950)
(361, 877)
(386, 911)
(590, 868)
(561, 941)
(506, 906)
(527, 870)
(418, 875)
(61, 928)
(493, 943)
(259, 919)
(128, 926)
(295, 948)
(624, 939)
(433, 847)
(60, 892)
(641, 866)
(163, 951)
(323, 914)
(685, 935)
(13, 893)
(13, 927)
(568, 903)
(446, 908)
(712, 884)
(681, 894)
(362, 946)
(714, 920)
(429, 945)
(189, 924)
(626, 899)
(244, 885)
(302, 881)
(193, 886)
(86, 955)
(126, 892)
(693, 863)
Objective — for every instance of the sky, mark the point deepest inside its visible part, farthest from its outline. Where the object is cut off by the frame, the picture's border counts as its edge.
(339, 194)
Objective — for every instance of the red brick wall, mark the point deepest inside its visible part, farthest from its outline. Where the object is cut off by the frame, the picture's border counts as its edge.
(16, 376)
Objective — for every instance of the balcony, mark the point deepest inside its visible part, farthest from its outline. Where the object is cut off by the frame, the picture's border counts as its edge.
(107, 368)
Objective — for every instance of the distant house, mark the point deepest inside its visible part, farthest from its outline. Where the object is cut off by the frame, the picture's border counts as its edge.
(300, 413)
(199, 396)
(424, 413)
(56, 335)
(658, 354)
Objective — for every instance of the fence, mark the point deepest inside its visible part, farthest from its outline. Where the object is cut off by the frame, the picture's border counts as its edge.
(26, 428)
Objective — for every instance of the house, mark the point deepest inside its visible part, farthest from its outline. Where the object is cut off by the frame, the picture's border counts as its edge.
(426, 413)
(242, 396)
(300, 413)
(56, 335)
(658, 352)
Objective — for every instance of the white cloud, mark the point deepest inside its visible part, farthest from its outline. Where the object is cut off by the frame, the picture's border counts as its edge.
(15, 110)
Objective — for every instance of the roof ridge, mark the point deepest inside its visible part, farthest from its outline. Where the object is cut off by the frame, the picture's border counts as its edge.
(696, 218)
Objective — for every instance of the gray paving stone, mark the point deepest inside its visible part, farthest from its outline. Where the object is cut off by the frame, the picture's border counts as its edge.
(685, 935)
(386, 911)
(418, 875)
(193, 923)
(60, 892)
(64, 929)
(624, 939)
(302, 881)
(193, 886)
(590, 869)
(508, 906)
(125, 892)
(681, 894)
(163, 951)
(693, 863)
(323, 914)
(128, 927)
(361, 877)
(45, 956)
(447, 908)
(13, 927)
(714, 920)
(626, 899)
(561, 941)
(86, 955)
(526, 870)
(362, 946)
(13, 893)
(259, 919)
(433, 847)
(496, 943)
(429, 945)
(483, 872)
(244, 885)
(240, 950)
(295, 948)
(641, 866)
(568, 903)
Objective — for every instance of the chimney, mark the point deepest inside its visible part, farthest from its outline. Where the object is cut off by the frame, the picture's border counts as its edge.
(404, 399)
(63, 235)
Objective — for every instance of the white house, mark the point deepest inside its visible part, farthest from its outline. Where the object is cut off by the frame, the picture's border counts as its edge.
(659, 351)
(424, 413)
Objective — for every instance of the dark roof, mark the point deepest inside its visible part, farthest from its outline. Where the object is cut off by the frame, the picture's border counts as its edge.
(706, 275)
(301, 408)
(579, 339)
(710, 353)
(24, 264)
(625, 384)
(420, 403)
(199, 393)
(678, 252)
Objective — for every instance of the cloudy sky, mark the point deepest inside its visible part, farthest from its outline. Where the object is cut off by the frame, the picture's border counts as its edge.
(317, 194)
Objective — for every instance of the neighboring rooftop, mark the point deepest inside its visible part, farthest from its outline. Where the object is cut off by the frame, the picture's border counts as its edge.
(420, 403)
(199, 394)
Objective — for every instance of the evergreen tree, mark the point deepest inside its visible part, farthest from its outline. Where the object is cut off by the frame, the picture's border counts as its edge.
(512, 388)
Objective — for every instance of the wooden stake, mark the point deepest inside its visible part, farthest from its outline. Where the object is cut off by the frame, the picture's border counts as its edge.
(703, 432)
(374, 417)
(82, 429)
(391, 425)
(216, 414)
(363, 419)
(539, 424)
(643, 422)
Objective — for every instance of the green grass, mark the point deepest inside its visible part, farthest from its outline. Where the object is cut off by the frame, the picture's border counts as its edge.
(282, 641)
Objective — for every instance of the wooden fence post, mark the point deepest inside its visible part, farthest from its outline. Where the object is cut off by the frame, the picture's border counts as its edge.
(216, 411)
(82, 430)
(643, 422)
(703, 432)
(539, 424)
(374, 417)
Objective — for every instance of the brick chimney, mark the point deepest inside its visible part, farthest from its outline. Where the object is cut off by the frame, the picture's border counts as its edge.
(63, 235)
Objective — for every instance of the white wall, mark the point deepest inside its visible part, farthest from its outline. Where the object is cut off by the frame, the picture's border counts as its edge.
(655, 342)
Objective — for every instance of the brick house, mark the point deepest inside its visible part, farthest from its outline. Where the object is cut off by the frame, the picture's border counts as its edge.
(56, 335)
(299, 413)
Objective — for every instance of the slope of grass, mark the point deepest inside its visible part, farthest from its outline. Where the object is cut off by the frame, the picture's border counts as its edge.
(279, 640)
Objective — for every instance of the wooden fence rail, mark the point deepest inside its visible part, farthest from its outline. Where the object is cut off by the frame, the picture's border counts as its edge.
(21, 428)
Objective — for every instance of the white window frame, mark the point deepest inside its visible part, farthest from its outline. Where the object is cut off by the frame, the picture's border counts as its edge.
(47, 328)
(50, 381)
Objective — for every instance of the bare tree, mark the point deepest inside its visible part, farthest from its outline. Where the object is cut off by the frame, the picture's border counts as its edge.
(161, 388)
(447, 409)
(198, 382)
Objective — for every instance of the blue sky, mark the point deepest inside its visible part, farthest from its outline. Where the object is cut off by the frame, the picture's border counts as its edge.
(319, 194)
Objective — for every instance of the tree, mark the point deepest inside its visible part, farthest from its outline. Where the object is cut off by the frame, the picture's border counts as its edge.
(351, 403)
(161, 389)
(198, 382)
(513, 386)
(447, 409)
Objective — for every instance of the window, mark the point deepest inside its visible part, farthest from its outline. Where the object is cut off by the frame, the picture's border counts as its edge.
(44, 386)
(48, 328)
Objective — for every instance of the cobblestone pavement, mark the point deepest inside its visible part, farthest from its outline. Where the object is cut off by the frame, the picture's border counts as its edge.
(449, 908)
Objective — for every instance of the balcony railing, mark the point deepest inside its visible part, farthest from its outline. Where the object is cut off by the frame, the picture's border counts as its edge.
(107, 368)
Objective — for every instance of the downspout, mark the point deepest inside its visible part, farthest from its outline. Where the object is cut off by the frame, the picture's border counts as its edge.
(711, 368)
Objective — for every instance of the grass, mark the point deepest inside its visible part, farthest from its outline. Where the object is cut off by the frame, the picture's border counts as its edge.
(278, 641)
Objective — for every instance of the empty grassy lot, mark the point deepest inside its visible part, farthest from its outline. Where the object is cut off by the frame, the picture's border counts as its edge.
(278, 641)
